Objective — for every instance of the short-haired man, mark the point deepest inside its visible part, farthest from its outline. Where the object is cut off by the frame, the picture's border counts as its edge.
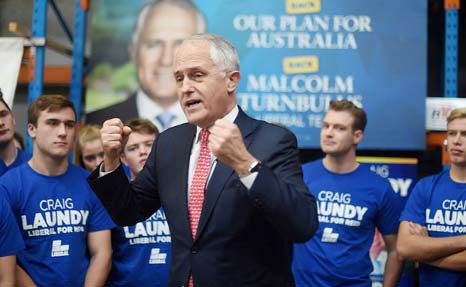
(141, 252)
(64, 226)
(433, 223)
(352, 201)
(10, 155)
(231, 186)
(160, 27)
(11, 242)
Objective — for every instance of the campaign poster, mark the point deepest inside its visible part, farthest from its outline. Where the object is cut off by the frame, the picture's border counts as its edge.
(296, 56)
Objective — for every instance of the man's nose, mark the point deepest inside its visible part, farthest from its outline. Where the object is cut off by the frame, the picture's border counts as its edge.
(457, 138)
(328, 132)
(166, 60)
(144, 150)
(186, 85)
(62, 129)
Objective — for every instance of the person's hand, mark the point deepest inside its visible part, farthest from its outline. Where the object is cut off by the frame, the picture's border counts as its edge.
(226, 143)
(417, 229)
(114, 135)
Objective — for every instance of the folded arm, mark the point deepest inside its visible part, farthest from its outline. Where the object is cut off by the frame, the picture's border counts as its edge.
(415, 244)
(454, 262)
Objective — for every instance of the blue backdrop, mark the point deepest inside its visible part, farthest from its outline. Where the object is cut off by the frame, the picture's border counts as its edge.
(298, 55)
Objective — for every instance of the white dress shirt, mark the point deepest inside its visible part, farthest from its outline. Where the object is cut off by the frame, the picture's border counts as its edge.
(247, 180)
(148, 109)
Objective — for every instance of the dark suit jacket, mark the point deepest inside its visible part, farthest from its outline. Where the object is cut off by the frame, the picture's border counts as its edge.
(244, 236)
(125, 111)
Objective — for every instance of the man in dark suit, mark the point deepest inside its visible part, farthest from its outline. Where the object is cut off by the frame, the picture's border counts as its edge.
(253, 204)
(160, 27)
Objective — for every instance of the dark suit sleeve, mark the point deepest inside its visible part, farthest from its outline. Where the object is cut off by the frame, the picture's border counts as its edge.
(128, 203)
(279, 190)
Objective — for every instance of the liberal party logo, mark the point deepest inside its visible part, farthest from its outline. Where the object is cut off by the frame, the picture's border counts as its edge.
(156, 257)
(329, 236)
(59, 250)
(300, 64)
(302, 6)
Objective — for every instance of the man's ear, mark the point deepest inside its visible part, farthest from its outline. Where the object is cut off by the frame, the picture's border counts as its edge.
(32, 130)
(233, 80)
(358, 135)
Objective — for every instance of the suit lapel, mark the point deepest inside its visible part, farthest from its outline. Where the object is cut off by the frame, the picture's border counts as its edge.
(222, 173)
(181, 188)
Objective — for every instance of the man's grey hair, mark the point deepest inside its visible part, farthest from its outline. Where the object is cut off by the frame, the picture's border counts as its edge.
(144, 12)
(222, 52)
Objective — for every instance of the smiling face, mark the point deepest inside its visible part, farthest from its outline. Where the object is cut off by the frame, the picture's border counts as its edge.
(205, 92)
(165, 27)
(337, 137)
(456, 136)
(54, 133)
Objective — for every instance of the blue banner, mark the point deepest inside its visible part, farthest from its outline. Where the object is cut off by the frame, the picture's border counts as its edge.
(297, 56)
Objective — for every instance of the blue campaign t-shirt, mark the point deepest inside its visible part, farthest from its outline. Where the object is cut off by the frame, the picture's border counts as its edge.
(21, 158)
(10, 238)
(141, 253)
(350, 207)
(439, 204)
(55, 215)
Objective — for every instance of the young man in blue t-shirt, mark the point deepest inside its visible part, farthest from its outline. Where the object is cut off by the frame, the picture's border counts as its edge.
(433, 223)
(10, 155)
(141, 253)
(65, 228)
(10, 243)
(352, 201)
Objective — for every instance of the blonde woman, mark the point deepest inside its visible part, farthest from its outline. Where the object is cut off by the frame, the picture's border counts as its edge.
(88, 151)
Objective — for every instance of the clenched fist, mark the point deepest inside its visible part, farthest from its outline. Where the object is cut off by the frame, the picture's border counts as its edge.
(114, 135)
(226, 143)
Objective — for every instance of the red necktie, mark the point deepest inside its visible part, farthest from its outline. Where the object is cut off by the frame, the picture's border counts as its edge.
(198, 183)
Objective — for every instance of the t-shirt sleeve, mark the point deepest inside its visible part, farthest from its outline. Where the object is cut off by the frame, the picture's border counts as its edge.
(389, 212)
(416, 205)
(10, 237)
(10, 194)
(99, 217)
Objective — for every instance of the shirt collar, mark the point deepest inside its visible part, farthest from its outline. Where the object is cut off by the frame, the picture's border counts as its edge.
(148, 109)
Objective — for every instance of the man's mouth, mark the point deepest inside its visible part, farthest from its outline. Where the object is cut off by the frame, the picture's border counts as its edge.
(192, 103)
